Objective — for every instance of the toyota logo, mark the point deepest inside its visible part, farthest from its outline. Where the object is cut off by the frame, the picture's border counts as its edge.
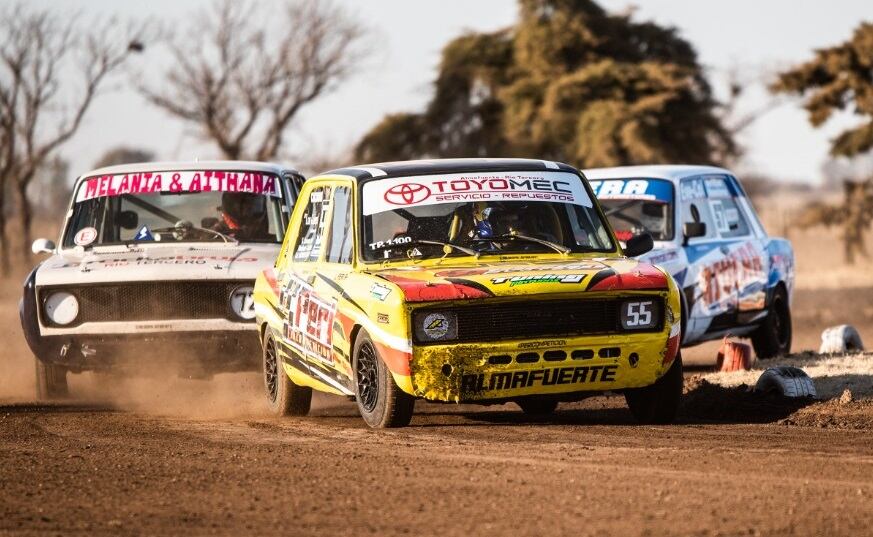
(407, 194)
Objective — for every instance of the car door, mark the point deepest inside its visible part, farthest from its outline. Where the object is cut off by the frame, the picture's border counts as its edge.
(709, 298)
(307, 300)
(334, 271)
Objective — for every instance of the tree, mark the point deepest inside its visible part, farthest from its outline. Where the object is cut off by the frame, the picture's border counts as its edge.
(39, 111)
(241, 86)
(123, 155)
(838, 78)
(568, 82)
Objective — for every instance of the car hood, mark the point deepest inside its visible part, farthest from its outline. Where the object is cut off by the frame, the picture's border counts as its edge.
(434, 283)
(156, 262)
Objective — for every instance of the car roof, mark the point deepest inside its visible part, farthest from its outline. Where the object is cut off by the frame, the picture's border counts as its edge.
(225, 165)
(456, 165)
(670, 172)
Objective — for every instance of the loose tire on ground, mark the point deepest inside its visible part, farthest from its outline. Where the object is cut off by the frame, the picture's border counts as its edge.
(51, 381)
(537, 406)
(381, 403)
(283, 396)
(786, 381)
(658, 403)
(773, 337)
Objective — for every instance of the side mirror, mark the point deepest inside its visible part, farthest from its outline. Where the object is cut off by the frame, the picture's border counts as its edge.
(693, 229)
(42, 246)
(638, 245)
(209, 222)
(128, 220)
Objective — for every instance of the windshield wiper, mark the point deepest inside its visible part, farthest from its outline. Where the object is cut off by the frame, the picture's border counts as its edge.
(561, 249)
(184, 227)
(468, 251)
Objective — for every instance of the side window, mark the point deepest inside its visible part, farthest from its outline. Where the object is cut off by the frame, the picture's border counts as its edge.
(311, 231)
(696, 208)
(340, 239)
(729, 218)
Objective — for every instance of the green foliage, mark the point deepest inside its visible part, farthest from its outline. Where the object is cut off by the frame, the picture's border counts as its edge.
(838, 78)
(569, 82)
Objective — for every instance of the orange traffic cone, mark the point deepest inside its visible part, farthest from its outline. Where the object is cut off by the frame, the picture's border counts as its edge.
(734, 356)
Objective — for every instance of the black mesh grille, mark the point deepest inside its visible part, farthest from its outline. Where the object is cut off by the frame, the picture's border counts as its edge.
(548, 318)
(153, 301)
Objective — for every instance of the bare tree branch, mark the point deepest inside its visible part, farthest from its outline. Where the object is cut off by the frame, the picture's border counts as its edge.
(38, 111)
(242, 86)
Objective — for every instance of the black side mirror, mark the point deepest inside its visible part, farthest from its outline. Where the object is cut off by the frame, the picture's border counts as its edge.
(128, 220)
(692, 229)
(638, 245)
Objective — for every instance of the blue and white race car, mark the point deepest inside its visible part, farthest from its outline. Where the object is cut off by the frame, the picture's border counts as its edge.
(734, 278)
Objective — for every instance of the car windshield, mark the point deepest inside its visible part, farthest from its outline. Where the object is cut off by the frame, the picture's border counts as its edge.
(501, 213)
(184, 206)
(635, 206)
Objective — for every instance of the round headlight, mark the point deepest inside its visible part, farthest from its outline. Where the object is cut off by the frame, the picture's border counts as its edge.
(61, 307)
(242, 302)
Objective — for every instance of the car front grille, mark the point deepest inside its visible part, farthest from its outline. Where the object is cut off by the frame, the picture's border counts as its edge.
(547, 318)
(151, 301)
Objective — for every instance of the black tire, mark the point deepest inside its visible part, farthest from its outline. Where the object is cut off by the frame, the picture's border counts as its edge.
(658, 403)
(51, 381)
(786, 381)
(773, 337)
(283, 396)
(537, 406)
(381, 403)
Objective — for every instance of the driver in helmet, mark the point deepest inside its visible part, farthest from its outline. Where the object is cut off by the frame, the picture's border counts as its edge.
(243, 216)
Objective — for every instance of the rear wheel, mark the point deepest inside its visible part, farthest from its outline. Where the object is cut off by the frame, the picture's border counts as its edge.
(51, 381)
(283, 396)
(381, 403)
(537, 406)
(658, 403)
(773, 337)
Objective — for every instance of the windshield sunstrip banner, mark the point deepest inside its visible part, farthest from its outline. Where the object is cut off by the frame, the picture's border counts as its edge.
(631, 189)
(178, 182)
(404, 192)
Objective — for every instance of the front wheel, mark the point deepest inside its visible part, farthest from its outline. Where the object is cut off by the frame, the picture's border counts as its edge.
(283, 396)
(381, 403)
(51, 381)
(773, 337)
(658, 403)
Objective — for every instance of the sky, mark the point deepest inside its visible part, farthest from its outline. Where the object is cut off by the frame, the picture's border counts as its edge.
(752, 37)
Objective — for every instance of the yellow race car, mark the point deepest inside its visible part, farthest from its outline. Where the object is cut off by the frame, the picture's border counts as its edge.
(465, 281)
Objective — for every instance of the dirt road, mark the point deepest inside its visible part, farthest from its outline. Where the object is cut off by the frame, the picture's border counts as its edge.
(456, 471)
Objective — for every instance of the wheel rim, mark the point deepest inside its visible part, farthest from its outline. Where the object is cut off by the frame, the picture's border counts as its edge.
(271, 368)
(366, 373)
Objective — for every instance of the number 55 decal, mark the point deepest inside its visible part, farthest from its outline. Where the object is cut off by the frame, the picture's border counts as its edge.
(638, 314)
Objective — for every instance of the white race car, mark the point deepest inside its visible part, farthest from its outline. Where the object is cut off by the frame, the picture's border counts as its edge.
(735, 279)
(155, 268)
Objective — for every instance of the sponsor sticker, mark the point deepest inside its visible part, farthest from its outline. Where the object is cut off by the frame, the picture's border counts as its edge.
(436, 326)
(178, 182)
(403, 192)
(382, 318)
(85, 236)
(512, 380)
(379, 291)
(539, 278)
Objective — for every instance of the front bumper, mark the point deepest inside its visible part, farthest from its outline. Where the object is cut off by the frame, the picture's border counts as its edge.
(194, 353)
(560, 366)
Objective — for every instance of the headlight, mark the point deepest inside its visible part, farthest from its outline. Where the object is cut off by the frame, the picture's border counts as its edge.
(639, 314)
(61, 307)
(242, 302)
(433, 326)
